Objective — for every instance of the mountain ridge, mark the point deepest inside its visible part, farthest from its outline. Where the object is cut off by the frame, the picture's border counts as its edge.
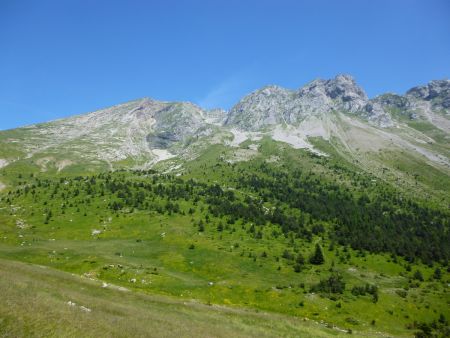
(144, 132)
(435, 87)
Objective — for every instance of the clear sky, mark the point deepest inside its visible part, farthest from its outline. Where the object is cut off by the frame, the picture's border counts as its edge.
(63, 57)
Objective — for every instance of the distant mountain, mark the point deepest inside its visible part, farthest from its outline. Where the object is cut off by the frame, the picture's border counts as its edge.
(145, 132)
(274, 105)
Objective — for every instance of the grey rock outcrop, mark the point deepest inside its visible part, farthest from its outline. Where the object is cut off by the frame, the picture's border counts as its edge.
(274, 105)
(176, 122)
(262, 108)
(437, 92)
(347, 95)
(142, 129)
(377, 115)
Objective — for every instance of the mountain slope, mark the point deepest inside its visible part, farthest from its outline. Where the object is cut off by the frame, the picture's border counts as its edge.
(82, 307)
(336, 113)
(240, 234)
(317, 205)
(141, 131)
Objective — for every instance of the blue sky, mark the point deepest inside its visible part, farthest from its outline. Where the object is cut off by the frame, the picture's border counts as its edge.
(63, 57)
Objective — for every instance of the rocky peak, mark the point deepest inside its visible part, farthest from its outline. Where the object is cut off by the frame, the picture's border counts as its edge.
(436, 91)
(271, 91)
(261, 108)
(340, 93)
(343, 88)
(391, 100)
(274, 105)
(266, 95)
(431, 90)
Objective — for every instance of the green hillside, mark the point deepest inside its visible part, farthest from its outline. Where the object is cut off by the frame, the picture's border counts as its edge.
(314, 243)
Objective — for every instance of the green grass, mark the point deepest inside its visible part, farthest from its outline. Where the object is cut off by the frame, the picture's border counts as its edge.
(249, 294)
(38, 299)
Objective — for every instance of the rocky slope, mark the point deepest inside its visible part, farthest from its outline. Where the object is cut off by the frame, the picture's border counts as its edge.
(143, 132)
(273, 105)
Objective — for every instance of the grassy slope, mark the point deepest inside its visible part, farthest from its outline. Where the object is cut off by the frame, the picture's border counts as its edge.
(36, 300)
(165, 265)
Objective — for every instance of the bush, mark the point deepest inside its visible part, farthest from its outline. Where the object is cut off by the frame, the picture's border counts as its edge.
(437, 274)
(418, 276)
(334, 284)
(287, 255)
(366, 289)
(402, 293)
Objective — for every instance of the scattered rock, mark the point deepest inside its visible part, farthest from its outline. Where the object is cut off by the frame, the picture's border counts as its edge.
(85, 309)
(96, 232)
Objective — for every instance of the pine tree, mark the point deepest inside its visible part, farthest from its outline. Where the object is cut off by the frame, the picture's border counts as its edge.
(317, 258)
(201, 226)
(437, 274)
(418, 275)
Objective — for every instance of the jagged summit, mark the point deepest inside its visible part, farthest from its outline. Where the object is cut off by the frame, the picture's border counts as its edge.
(437, 92)
(273, 105)
(431, 90)
(343, 89)
(145, 131)
(263, 107)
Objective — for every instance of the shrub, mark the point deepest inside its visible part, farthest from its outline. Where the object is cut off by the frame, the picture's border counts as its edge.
(334, 284)
(402, 293)
(418, 276)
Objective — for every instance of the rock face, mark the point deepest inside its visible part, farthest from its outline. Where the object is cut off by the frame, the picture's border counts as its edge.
(216, 116)
(437, 92)
(377, 115)
(429, 103)
(275, 105)
(262, 108)
(176, 122)
(130, 130)
(392, 100)
(145, 131)
(345, 93)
